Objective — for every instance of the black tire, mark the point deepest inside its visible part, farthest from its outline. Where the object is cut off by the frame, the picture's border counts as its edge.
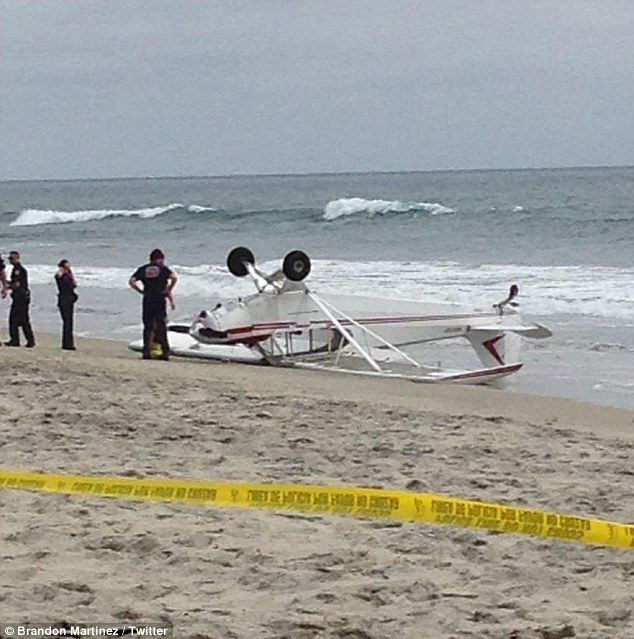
(296, 266)
(236, 261)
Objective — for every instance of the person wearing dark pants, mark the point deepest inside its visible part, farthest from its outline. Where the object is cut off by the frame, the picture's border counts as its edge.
(154, 329)
(21, 299)
(158, 281)
(66, 298)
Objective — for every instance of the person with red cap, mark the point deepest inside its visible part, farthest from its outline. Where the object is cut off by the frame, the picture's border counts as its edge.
(158, 281)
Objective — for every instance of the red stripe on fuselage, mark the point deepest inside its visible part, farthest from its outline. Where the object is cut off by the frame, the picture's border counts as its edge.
(273, 326)
(502, 370)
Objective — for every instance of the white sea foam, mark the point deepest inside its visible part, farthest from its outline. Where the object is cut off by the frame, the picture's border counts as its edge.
(35, 217)
(194, 208)
(589, 291)
(352, 206)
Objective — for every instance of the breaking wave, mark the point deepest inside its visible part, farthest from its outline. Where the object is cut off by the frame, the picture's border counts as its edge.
(352, 206)
(36, 217)
(335, 209)
(554, 290)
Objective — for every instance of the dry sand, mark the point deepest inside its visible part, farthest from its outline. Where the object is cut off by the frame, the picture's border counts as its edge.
(251, 574)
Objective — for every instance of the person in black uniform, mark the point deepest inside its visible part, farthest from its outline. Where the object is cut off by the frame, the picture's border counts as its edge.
(66, 298)
(21, 299)
(158, 281)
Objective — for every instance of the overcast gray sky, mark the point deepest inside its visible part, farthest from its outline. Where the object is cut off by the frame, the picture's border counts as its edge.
(100, 88)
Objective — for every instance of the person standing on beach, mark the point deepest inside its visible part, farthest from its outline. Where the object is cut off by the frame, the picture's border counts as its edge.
(66, 298)
(21, 299)
(3, 279)
(158, 281)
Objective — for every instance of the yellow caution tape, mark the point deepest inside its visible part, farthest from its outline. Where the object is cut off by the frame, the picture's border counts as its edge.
(340, 500)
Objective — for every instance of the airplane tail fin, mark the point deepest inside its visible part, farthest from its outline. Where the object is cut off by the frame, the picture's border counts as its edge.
(495, 348)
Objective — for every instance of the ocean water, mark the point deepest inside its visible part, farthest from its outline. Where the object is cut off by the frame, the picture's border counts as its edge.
(565, 236)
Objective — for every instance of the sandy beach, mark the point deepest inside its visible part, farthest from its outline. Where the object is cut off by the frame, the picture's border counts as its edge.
(248, 574)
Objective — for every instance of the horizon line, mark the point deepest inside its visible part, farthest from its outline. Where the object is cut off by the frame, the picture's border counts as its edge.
(313, 174)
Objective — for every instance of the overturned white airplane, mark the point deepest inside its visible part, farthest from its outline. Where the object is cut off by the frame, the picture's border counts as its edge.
(287, 324)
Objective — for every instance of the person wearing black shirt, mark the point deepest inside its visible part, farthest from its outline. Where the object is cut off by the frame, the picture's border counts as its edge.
(158, 281)
(66, 298)
(21, 298)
